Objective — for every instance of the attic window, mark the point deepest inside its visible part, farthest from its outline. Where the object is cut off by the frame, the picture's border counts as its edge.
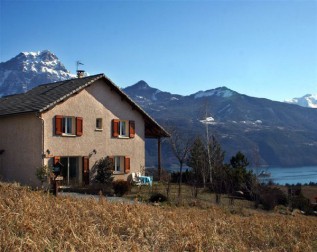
(99, 124)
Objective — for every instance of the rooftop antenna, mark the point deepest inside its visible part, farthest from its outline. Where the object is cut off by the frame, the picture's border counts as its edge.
(80, 73)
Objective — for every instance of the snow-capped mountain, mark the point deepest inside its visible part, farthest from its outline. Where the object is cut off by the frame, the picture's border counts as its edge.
(221, 92)
(30, 69)
(309, 101)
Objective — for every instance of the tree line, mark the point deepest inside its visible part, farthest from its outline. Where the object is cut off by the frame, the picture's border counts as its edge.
(208, 169)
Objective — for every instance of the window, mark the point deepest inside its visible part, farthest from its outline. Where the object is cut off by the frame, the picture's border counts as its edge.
(68, 125)
(99, 124)
(123, 128)
(121, 164)
(118, 164)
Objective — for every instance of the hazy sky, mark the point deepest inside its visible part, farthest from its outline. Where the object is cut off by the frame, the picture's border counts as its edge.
(259, 48)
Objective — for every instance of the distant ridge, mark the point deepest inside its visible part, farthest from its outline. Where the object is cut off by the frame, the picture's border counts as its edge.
(273, 133)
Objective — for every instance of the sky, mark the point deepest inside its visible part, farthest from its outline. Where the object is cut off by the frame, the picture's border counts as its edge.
(259, 48)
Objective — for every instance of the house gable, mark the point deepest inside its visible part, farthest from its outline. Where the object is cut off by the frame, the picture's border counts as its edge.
(97, 101)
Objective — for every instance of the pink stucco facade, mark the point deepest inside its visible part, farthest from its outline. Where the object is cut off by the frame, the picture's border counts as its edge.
(22, 143)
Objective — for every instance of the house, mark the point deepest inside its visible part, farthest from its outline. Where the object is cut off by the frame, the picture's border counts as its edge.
(73, 123)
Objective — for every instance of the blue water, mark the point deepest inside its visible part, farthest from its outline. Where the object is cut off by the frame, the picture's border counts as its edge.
(283, 175)
(291, 175)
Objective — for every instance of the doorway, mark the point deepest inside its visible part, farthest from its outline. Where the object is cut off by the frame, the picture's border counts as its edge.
(70, 170)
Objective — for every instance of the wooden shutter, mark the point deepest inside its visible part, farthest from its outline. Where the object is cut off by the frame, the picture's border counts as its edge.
(79, 126)
(131, 129)
(58, 125)
(126, 165)
(112, 160)
(86, 170)
(56, 160)
(115, 127)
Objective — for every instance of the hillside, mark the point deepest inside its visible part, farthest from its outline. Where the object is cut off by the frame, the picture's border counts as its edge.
(277, 133)
(35, 221)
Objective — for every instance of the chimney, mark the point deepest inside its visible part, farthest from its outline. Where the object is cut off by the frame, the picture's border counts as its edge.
(80, 73)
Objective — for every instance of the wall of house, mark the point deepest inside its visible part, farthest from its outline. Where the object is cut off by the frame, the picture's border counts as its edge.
(20, 138)
(96, 101)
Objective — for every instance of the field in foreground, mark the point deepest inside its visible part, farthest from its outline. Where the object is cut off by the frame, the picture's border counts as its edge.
(36, 221)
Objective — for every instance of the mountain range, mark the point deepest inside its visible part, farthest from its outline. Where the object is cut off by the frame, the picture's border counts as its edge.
(272, 133)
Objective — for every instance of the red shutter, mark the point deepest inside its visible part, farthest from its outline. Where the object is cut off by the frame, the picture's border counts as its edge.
(56, 160)
(86, 170)
(126, 164)
(58, 125)
(112, 161)
(115, 127)
(79, 126)
(131, 129)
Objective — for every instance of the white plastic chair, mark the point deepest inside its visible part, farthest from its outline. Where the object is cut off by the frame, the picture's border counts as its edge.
(135, 179)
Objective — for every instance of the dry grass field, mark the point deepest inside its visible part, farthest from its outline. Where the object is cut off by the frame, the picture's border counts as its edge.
(37, 221)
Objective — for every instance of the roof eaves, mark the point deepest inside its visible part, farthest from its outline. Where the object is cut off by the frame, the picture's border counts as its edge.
(71, 93)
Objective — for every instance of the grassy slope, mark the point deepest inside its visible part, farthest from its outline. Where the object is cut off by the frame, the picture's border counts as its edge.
(34, 221)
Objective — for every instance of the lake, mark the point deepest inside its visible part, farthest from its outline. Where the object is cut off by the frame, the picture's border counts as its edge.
(282, 175)
(291, 175)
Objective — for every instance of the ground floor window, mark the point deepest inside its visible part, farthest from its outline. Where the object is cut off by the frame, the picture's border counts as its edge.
(118, 164)
(121, 164)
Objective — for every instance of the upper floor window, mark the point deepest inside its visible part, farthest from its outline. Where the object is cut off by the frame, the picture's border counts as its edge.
(99, 124)
(68, 125)
(123, 128)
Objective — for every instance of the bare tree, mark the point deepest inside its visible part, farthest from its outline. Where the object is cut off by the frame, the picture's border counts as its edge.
(218, 172)
(197, 160)
(180, 144)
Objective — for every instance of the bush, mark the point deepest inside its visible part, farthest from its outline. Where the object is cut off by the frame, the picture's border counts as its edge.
(120, 187)
(104, 168)
(43, 173)
(158, 197)
(187, 177)
(271, 197)
(302, 203)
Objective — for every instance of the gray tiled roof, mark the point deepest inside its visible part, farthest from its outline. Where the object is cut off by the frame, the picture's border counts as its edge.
(46, 96)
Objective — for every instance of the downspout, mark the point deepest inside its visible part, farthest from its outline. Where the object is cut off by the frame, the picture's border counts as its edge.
(42, 132)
